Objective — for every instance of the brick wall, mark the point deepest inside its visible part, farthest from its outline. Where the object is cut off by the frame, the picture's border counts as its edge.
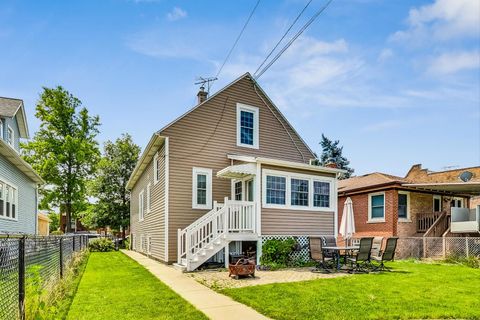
(360, 209)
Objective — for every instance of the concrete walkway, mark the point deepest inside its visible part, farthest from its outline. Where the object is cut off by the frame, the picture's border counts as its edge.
(211, 303)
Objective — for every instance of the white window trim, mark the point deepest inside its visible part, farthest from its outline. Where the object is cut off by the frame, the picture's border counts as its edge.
(141, 242)
(408, 218)
(149, 246)
(4, 183)
(1, 129)
(288, 177)
(141, 206)
(254, 110)
(13, 136)
(438, 197)
(375, 220)
(149, 198)
(195, 172)
(155, 169)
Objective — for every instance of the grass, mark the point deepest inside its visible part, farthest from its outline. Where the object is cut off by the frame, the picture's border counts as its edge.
(116, 287)
(413, 290)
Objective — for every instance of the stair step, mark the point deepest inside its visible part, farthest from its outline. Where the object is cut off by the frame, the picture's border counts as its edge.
(180, 267)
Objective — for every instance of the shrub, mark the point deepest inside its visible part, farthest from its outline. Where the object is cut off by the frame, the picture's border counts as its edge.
(56, 233)
(276, 253)
(126, 243)
(472, 261)
(101, 245)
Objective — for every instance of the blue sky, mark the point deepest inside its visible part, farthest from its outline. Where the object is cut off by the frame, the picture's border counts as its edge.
(398, 82)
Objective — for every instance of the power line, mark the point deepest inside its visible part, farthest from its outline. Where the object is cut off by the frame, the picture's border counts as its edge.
(238, 38)
(283, 37)
(309, 22)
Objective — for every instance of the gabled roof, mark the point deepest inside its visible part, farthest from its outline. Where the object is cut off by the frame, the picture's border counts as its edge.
(11, 107)
(368, 181)
(11, 155)
(158, 138)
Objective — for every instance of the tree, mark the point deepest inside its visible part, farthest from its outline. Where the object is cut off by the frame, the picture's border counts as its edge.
(54, 224)
(109, 187)
(331, 152)
(63, 151)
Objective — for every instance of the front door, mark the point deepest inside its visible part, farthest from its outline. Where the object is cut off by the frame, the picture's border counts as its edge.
(243, 190)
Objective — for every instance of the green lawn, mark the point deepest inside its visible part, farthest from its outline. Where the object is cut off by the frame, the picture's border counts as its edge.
(413, 290)
(116, 287)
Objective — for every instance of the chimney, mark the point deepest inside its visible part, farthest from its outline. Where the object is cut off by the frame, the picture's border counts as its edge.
(202, 95)
(331, 165)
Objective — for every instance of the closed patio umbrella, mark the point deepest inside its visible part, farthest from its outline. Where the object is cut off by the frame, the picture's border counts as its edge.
(347, 225)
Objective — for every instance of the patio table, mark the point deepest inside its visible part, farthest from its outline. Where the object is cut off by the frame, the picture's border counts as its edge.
(338, 249)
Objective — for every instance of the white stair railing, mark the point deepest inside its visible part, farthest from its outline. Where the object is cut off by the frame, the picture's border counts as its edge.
(210, 231)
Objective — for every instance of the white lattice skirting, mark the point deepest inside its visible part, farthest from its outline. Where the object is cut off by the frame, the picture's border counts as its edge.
(302, 254)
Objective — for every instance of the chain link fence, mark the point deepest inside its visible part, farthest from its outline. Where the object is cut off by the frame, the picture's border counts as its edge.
(29, 259)
(437, 247)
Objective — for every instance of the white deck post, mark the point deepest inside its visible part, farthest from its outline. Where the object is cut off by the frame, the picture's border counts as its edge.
(227, 255)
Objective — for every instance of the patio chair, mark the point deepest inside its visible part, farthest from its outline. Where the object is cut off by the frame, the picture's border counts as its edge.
(329, 242)
(387, 255)
(317, 254)
(361, 261)
(376, 247)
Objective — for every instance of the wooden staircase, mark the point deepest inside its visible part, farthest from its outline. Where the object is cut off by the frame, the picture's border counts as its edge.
(213, 231)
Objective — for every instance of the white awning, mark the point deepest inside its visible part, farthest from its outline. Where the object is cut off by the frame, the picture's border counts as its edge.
(470, 188)
(238, 171)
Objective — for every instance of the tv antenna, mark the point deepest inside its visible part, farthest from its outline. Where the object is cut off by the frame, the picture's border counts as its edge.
(208, 81)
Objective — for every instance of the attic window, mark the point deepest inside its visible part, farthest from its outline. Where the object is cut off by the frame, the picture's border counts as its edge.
(247, 126)
(10, 136)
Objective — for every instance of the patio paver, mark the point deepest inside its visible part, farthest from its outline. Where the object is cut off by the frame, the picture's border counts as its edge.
(211, 303)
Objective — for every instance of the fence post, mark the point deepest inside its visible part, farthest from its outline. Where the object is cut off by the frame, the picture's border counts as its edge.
(21, 277)
(466, 247)
(61, 257)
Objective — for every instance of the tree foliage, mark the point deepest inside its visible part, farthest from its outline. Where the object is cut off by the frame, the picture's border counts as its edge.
(109, 187)
(332, 152)
(64, 150)
(54, 224)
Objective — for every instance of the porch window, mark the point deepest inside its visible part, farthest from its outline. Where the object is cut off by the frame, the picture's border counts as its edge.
(299, 192)
(202, 188)
(238, 190)
(8, 201)
(141, 206)
(321, 194)
(437, 203)
(403, 205)
(276, 190)
(377, 207)
(247, 126)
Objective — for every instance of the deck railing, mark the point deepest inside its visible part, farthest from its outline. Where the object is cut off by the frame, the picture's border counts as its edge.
(426, 220)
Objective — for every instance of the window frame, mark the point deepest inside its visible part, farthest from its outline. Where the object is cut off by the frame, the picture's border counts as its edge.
(243, 107)
(288, 177)
(370, 218)
(5, 183)
(10, 130)
(208, 172)
(439, 198)
(309, 190)
(149, 198)
(407, 218)
(141, 206)
(155, 169)
(329, 194)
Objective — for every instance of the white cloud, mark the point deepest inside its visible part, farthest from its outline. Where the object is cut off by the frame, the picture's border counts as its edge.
(452, 62)
(177, 13)
(384, 55)
(381, 126)
(442, 20)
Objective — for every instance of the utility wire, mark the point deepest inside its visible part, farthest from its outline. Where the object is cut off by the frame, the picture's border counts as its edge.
(283, 37)
(238, 38)
(305, 26)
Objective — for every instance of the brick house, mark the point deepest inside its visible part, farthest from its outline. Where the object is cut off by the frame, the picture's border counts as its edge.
(386, 205)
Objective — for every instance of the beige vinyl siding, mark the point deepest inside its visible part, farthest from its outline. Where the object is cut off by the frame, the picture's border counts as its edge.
(205, 136)
(154, 222)
(297, 222)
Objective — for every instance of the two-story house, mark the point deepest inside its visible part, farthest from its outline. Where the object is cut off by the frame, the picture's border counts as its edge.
(18, 181)
(226, 176)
